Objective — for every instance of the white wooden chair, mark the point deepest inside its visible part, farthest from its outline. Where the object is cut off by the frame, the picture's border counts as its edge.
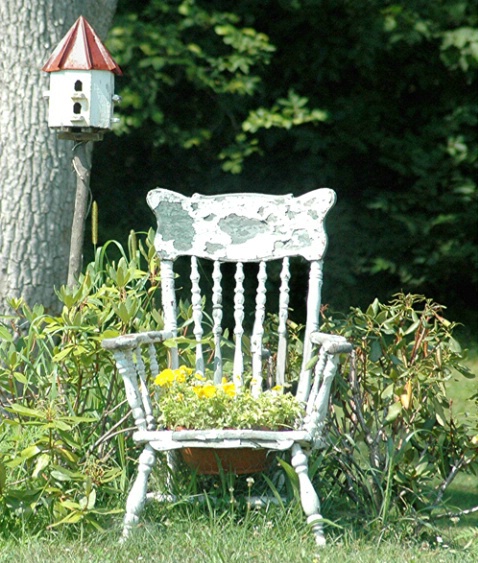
(240, 228)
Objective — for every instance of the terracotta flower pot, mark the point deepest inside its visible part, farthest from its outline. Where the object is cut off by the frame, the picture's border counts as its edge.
(210, 461)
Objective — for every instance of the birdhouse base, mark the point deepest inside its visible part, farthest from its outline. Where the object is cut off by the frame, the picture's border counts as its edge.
(80, 134)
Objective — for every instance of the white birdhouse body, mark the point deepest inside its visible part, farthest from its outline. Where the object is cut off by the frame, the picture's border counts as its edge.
(81, 85)
(81, 98)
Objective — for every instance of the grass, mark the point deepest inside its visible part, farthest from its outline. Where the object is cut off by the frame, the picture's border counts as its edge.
(199, 533)
(179, 536)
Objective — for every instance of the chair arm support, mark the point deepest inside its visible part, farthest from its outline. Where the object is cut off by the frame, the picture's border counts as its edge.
(130, 341)
(332, 343)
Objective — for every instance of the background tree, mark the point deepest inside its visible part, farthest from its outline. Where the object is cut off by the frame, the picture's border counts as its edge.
(375, 99)
(37, 184)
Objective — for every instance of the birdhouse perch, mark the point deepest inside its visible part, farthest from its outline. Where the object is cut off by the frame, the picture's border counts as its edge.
(81, 95)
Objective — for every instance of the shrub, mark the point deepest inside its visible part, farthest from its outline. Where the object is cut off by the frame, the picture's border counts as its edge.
(395, 441)
(62, 442)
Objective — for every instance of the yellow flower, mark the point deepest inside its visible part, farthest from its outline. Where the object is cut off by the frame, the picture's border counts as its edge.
(209, 391)
(205, 391)
(183, 372)
(228, 387)
(165, 378)
(200, 377)
(168, 376)
(277, 388)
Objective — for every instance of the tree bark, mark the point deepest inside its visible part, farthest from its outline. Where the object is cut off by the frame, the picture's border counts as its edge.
(37, 180)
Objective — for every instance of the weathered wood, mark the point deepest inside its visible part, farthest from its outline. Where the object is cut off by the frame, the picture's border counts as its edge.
(258, 331)
(217, 318)
(312, 325)
(143, 389)
(282, 328)
(168, 299)
(137, 495)
(242, 228)
(229, 435)
(308, 495)
(130, 341)
(238, 369)
(197, 314)
(82, 166)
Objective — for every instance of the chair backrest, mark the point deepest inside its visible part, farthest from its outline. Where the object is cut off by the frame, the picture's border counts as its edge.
(242, 228)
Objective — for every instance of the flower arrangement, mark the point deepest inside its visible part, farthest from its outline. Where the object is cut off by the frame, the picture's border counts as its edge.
(190, 400)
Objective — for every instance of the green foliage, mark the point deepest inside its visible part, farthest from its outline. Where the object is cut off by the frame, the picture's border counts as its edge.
(62, 451)
(396, 443)
(172, 50)
(286, 113)
(168, 47)
(245, 87)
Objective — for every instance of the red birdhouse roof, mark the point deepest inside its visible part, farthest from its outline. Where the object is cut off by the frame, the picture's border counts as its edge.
(81, 49)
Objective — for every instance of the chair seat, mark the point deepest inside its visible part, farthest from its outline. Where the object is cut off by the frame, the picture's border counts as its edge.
(279, 440)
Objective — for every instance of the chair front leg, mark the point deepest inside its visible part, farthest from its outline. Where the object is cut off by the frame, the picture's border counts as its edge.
(137, 495)
(308, 495)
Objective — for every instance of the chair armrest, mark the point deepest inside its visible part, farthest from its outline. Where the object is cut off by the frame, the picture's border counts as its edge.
(130, 341)
(332, 343)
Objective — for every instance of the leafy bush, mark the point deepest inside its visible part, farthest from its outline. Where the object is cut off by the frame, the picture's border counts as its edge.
(396, 442)
(62, 440)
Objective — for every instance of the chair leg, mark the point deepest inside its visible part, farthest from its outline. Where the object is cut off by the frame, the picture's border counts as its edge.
(308, 496)
(137, 495)
(172, 463)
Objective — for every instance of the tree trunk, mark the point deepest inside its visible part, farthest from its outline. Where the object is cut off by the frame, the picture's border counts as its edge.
(37, 180)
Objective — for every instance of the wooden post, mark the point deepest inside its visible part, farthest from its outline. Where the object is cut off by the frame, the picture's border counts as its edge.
(82, 166)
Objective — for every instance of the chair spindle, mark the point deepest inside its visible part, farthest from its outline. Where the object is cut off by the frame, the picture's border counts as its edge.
(217, 319)
(197, 314)
(258, 330)
(283, 316)
(238, 369)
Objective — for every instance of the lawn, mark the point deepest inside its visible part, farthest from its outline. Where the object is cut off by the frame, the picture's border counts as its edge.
(175, 536)
(181, 534)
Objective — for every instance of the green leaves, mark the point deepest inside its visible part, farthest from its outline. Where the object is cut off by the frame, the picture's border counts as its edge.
(5, 334)
(189, 403)
(170, 48)
(288, 112)
(57, 444)
(460, 48)
(396, 432)
(206, 52)
(393, 412)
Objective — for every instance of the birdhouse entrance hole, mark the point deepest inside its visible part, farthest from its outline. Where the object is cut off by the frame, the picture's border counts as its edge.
(78, 86)
(77, 108)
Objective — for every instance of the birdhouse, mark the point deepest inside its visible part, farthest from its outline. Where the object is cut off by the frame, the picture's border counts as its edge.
(81, 95)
